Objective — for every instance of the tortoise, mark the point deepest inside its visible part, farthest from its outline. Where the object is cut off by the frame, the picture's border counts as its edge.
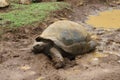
(63, 38)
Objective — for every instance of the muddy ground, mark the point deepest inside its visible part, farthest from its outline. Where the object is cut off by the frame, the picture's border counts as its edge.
(17, 62)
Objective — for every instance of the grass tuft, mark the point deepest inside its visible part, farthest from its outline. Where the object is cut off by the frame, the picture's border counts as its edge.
(27, 14)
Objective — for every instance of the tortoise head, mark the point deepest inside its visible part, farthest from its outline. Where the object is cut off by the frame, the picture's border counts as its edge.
(39, 45)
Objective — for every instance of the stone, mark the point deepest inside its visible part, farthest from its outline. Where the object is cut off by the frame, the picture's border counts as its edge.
(4, 3)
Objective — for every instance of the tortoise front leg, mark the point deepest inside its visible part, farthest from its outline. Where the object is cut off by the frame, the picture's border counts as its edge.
(57, 58)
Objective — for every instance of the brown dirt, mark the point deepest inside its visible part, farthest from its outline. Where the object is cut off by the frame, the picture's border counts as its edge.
(17, 62)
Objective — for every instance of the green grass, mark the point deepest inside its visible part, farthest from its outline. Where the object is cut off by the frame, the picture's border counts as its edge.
(27, 14)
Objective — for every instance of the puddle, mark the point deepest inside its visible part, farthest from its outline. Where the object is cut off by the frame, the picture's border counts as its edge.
(93, 58)
(106, 19)
(99, 55)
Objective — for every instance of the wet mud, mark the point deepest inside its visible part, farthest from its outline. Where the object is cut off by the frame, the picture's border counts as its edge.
(17, 62)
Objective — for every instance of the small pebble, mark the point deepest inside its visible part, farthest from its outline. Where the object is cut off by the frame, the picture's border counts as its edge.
(40, 78)
(119, 61)
(95, 61)
(26, 67)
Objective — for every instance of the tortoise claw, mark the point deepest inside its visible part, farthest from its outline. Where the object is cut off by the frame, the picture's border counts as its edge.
(59, 65)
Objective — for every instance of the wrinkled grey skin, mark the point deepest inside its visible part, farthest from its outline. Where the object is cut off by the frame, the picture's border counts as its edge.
(68, 39)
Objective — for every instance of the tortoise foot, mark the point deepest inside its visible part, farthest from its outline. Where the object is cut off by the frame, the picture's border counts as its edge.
(59, 65)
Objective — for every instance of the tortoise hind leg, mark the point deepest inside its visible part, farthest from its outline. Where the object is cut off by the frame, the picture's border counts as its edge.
(57, 58)
(92, 44)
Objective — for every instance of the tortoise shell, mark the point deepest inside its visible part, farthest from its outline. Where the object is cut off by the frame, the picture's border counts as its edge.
(68, 35)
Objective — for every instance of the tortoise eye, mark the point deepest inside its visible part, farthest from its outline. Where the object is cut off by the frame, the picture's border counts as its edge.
(38, 39)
